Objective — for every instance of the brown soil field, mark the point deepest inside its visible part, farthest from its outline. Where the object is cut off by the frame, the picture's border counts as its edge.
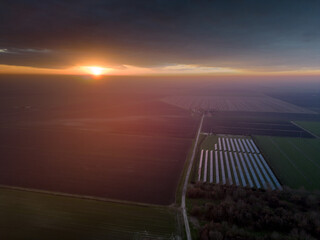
(103, 139)
(127, 167)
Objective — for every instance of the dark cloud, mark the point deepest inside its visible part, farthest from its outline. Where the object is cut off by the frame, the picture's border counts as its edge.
(158, 32)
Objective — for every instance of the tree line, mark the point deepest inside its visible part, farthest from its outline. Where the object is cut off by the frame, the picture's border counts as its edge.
(230, 212)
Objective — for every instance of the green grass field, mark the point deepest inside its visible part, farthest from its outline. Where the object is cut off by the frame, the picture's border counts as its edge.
(313, 127)
(296, 161)
(30, 215)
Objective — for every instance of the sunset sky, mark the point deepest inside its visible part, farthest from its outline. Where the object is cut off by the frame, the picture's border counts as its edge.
(160, 37)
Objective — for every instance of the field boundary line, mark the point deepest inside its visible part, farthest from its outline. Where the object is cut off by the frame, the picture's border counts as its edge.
(185, 186)
(316, 136)
(83, 197)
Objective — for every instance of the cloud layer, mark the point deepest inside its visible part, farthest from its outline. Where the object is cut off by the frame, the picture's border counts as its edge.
(248, 34)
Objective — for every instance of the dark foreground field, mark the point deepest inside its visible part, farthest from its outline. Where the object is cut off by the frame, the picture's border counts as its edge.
(105, 138)
(28, 215)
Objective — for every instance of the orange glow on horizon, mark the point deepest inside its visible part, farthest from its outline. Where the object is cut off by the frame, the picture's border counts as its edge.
(129, 70)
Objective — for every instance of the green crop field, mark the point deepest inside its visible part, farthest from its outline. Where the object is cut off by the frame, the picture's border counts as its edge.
(30, 215)
(313, 127)
(296, 161)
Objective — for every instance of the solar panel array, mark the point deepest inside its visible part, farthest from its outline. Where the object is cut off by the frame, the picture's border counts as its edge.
(236, 161)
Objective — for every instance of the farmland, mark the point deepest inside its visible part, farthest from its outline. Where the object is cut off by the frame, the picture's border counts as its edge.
(234, 160)
(89, 163)
(313, 127)
(247, 103)
(29, 215)
(253, 127)
(310, 98)
(118, 140)
(296, 161)
(97, 143)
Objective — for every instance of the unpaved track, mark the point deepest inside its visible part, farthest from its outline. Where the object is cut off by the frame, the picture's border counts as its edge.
(185, 186)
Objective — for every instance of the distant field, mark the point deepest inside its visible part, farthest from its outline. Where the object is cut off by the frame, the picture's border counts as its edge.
(264, 117)
(249, 103)
(28, 215)
(218, 125)
(309, 99)
(313, 127)
(296, 161)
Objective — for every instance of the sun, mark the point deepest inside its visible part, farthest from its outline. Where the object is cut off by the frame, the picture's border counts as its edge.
(96, 71)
